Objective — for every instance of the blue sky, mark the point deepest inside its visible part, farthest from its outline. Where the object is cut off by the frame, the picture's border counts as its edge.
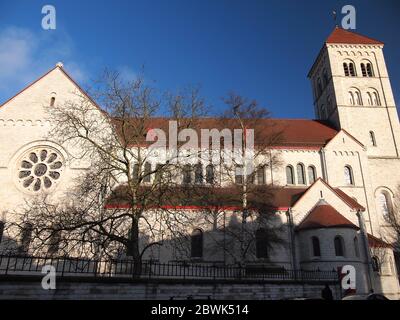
(259, 49)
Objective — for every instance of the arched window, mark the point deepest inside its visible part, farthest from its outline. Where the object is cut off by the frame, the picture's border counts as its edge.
(196, 242)
(384, 204)
(316, 247)
(358, 98)
(352, 69)
(312, 176)
(239, 174)
(372, 138)
(363, 70)
(146, 173)
(370, 72)
(1, 230)
(375, 264)
(356, 247)
(52, 101)
(187, 174)
(346, 69)
(261, 175)
(210, 174)
(289, 175)
(369, 99)
(348, 175)
(26, 238)
(54, 243)
(198, 174)
(375, 99)
(352, 102)
(262, 243)
(300, 174)
(339, 246)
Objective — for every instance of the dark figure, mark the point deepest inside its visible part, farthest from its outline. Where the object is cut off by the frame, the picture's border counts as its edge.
(327, 293)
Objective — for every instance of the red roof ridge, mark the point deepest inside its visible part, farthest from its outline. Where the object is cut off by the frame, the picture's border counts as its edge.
(340, 35)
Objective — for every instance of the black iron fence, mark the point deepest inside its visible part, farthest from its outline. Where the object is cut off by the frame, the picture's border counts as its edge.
(63, 266)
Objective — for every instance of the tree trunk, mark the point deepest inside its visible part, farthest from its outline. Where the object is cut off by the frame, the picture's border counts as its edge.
(134, 249)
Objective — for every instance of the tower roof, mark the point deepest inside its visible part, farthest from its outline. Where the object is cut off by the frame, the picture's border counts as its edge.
(325, 216)
(340, 35)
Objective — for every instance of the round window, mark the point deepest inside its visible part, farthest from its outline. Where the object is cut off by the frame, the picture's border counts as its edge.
(40, 169)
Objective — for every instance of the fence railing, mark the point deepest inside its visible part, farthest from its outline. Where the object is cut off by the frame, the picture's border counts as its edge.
(29, 265)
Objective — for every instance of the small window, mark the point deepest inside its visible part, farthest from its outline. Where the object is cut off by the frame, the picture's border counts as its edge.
(300, 174)
(187, 174)
(339, 246)
(26, 238)
(239, 174)
(262, 243)
(356, 247)
(1, 230)
(289, 175)
(352, 69)
(346, 69)
(210, 174)
(348, 175)
(196, 242)
(52, 101)
(198, 174)
(375, 264)
(261, 175)
(312, 176)
(54, 243)
(372, 138)
(369, 70)
(363, 70)
(316, 247)
(135, 172)
(146, 173)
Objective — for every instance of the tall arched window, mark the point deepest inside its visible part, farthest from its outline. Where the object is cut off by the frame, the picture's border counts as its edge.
(358, 98)
(370, 72)
(339, 246)
(1, 230)
(384, 204)
(301, 179)
(372, 138)
(261, 175)
(146, 173)
(26, 238)
(210, 174)
(262, 243)
(316, 247)
(239, 174)
(196, 244)
(375, 99)
(356, 247)
(198, 174)
(187, 174)
(352, 102)
(369, 99)
(352, 69)
(289, 175)
(312, 176)
(54, 243)
(363, 70)
(346, 69)
(52, 101)
(348, 175)
(375, 264)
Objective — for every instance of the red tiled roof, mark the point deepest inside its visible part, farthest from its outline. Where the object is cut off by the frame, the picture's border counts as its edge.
(349, 200)
(280, 132)
(325, 216)
(340, 35)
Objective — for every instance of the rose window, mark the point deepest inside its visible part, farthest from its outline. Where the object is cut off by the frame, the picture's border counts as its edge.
(40, 169)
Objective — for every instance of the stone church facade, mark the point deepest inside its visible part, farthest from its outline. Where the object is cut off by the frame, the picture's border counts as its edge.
(338, 174)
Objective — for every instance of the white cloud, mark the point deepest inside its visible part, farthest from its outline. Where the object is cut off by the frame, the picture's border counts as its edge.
(26, 55)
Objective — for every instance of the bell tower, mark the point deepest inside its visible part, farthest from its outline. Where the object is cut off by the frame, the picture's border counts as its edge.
(352, 91)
